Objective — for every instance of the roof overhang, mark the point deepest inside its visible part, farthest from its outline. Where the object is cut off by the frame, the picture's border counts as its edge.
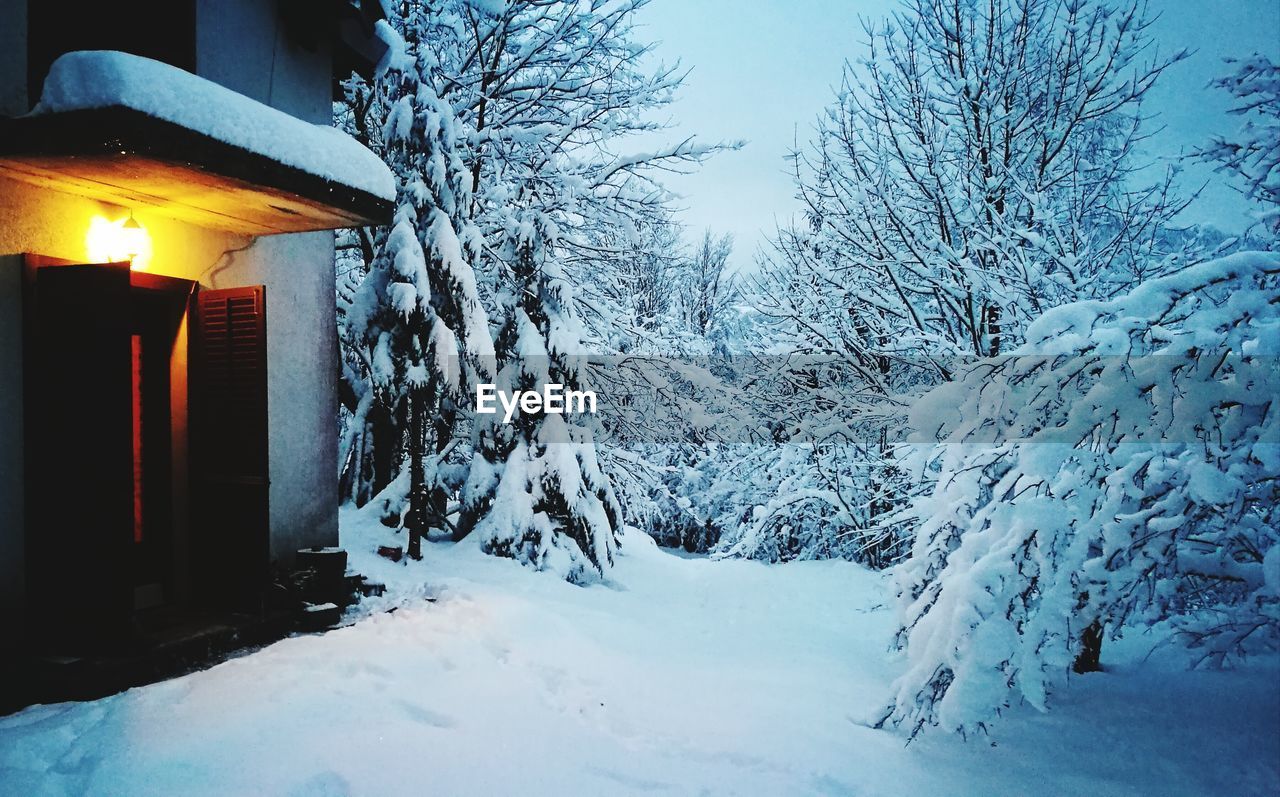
(143, 134)
(129, 158)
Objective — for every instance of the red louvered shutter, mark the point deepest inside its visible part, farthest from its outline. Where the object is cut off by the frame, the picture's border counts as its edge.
(228, 404)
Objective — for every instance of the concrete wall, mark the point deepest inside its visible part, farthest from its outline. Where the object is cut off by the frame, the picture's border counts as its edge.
(13, 57)
(302, 356)
(243, 45)
(12, 534)
(302, 389)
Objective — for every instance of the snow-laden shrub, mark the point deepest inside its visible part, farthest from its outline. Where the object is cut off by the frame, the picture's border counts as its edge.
(1120, 468)
(657, 486)
(797, 501)
(785, 514)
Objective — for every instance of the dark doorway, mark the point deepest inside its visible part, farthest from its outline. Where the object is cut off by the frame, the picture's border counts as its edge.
(126, 516)
(80, 511)
(157, 308)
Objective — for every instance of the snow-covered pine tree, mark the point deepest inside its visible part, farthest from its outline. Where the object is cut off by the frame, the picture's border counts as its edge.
(1120, 469)
(418, 311)
(536, 492)
(549, 91)
(544, 94)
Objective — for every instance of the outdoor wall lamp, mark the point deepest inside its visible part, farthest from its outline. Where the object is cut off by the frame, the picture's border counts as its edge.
(118, 241)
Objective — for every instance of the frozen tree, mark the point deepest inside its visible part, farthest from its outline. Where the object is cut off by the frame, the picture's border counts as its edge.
(536, 492)
(550, 91)
(503, 122)
(628, 302)
(556, 90)
(798, 501)
(825, 483)
(706, 286)
(417, 315)
(977, 168)
(1121, 468)
(1252, 155)
(649, 269)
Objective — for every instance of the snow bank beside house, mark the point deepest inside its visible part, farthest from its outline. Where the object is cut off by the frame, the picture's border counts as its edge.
(104, 79)
(682, 676)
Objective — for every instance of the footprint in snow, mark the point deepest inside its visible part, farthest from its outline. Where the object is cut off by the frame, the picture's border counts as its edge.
(426, 716)
(326, 784)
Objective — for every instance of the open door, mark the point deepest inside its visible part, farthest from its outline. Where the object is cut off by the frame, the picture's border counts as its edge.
(229, 448)
(106, 403)
(79, 453)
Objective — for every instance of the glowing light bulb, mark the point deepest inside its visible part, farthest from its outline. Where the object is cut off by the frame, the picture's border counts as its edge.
(119, 241)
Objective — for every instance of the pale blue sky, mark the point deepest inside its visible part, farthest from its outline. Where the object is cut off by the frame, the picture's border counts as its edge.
(764, 69)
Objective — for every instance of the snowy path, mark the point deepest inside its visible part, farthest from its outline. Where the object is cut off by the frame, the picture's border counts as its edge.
(690, 677)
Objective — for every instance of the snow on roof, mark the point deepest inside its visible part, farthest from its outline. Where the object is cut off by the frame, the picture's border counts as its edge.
(102, 79)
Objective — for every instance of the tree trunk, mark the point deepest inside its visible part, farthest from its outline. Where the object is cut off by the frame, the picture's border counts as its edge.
(438, 504)
(419, 497)
(1090, 656)
(382, 449)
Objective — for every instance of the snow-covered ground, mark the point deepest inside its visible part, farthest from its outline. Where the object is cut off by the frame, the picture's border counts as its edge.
(686, 676)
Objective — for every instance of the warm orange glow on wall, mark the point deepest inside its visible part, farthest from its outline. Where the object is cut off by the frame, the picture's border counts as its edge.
(118, 241)
(138, 485)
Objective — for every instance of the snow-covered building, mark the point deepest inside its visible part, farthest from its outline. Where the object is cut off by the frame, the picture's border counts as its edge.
(169, 186)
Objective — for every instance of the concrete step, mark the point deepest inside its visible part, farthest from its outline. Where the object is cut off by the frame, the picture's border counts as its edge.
(322, 572)
(319, 616)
